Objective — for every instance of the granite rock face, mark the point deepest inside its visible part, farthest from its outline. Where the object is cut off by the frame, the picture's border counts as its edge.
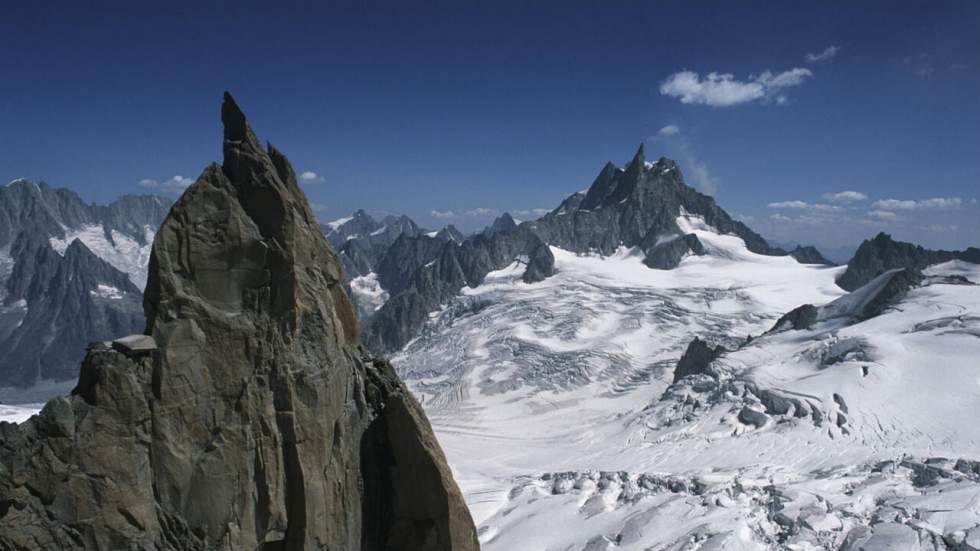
(882, 253)
(258, 423)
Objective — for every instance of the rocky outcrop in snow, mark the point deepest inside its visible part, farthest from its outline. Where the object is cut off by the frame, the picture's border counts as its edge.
(882, 253)
(697, 359)
(809, 255)
(260, 423)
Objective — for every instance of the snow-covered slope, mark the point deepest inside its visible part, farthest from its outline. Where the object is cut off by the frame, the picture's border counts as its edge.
(555, 407)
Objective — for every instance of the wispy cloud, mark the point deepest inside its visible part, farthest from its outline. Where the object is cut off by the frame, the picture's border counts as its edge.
(310, 177)
(723, 90)
(883, 214)
(825, 56)
(482, 211)
(701, 177)
(478, 212)
(530, 213)
(935, 203)
(845, 197)
(176, 184)
(803, 205)
(697, 171)
(921, 64)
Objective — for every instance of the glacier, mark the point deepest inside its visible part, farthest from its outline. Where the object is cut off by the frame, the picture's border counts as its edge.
(555, 405)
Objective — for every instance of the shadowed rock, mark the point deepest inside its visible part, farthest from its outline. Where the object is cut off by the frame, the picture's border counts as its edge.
(809, 255)
(697, 359)
(893, 292)
(259, 423)
(801, 317)
(878, 255)
(540, 264)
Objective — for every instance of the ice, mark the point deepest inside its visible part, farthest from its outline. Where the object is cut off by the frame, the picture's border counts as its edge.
(368, 292)
(336, 224)
(554, 405)
(18, 413)
(122, 252)
(107, 292)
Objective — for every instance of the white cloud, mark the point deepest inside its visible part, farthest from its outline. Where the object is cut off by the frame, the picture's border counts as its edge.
(780, 217)
(935, 203)
(826, 55)
(883, 214)
(531, 213)
(481, 211)
(310, 177)
(177, 184)
(788, 205)
(942, 228)
(669, 130)
(722, 90)
(845, 196)
(803, 205)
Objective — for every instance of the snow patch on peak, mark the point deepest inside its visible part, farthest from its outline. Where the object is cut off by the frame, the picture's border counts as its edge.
(19, 413)
(122, 252)
(336, 224)
(368, 293)
(107, 292)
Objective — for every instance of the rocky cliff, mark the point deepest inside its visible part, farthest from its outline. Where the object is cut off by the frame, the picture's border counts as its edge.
(258, 423)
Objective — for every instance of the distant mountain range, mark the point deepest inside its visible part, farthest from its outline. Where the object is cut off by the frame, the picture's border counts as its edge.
(72, 272)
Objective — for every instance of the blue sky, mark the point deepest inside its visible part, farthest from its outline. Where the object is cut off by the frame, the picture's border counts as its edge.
(451, 113)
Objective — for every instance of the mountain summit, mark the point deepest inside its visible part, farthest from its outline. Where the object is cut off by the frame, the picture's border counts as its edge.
(646, 206)
(639, 206)
(249, 417)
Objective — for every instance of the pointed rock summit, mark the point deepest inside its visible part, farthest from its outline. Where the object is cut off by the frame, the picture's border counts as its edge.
(259, 422)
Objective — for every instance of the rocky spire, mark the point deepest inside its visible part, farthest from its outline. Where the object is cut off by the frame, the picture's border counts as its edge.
(638, 163)
(260, 423)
